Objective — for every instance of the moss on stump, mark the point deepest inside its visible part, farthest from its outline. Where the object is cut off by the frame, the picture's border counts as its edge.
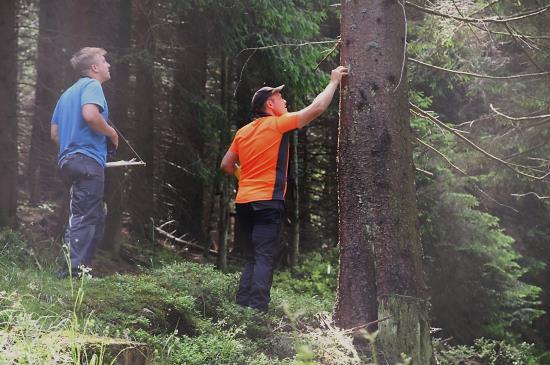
(406, 331)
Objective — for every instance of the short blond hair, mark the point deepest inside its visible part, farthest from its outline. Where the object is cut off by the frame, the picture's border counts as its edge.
(83, 60)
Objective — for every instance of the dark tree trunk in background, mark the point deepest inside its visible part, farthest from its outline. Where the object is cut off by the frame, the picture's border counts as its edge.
(141, 196)
(381, 255)
(224, 182)
(41, 171)
(8, 107)
(119, 102)
(188, 148)
(295, 214)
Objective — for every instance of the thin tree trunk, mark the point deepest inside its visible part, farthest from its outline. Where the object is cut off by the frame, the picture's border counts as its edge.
(188, 148)
(119, 100)
(295, 250)
(381, 255)
(8, 107)
(41, 166)
(141, 205)
(223, 219)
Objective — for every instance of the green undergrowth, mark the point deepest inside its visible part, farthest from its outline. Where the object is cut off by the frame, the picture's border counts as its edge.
(183, 313)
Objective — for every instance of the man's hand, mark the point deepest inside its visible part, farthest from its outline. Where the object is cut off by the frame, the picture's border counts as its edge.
(113, 137)
(337, 73)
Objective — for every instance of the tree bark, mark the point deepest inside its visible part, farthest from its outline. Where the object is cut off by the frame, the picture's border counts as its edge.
(381, 254)
(119, 100)
(295, 241)
(141, 206)
(188, 148)
(224, 182)
(50, 60)
(8, 107)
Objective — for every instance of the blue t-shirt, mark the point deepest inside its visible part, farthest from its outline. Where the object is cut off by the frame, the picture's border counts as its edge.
(75, 135)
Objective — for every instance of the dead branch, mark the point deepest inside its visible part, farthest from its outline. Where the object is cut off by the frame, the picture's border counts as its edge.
(518, 118)
(354, 329)
(483, 192)
(508, 165)
(516, 40)
(531, 193)
(479, 75)
(442, 156)
(480, 20)
(181, 240)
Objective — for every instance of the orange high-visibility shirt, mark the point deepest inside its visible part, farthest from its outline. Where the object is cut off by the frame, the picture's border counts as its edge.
(263, 150)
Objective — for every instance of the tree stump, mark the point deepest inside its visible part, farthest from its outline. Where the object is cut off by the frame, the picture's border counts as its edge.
(406, 331)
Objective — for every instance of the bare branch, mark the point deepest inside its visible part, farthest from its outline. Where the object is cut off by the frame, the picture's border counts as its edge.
(508, 165)
(531, 193)
(518, 118)
(517, 41)
(480, 20)
(288, 45)
(443, 156)
(180, 239)
(328, 54)
(523, 36)
(425, 172)
(354, 329)
(465, 174)
(479, 75)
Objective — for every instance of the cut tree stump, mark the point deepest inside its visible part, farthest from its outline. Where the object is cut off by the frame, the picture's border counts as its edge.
(406, 331)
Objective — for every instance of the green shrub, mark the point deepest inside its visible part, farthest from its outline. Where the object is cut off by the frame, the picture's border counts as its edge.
(488, 352)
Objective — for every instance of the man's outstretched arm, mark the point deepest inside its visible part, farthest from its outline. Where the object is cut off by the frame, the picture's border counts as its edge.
(322, 101)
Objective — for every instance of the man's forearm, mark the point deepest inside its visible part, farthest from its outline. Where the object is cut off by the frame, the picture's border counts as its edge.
(323, 100)
(95, 120)
(99, 125)
(318, 105)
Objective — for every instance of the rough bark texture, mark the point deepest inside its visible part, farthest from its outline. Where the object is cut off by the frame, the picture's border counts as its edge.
(381, 254)
(8, 121)
(295, 250)
(406, 331)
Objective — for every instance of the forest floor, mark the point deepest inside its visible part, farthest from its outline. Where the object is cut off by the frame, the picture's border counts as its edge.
(158, 303)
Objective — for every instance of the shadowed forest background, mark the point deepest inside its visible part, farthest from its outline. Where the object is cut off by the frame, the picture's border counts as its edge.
(183, 74)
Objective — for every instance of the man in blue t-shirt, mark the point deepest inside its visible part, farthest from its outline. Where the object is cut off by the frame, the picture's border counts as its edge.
(80, 129)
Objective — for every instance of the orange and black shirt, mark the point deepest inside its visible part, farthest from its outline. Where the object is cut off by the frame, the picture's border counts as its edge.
(263, 150)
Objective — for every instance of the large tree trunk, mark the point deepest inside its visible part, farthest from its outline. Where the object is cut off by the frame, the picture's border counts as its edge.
(8, 107)
(141, 197)
(381, 255)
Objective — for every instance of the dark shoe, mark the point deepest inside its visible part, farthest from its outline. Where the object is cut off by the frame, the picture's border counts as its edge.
(65, 273)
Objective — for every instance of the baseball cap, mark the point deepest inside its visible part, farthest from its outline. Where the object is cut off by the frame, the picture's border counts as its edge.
(261, 96)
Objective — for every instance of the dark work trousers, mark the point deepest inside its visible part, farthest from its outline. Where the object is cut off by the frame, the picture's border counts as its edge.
(86, 179)
(260, 223)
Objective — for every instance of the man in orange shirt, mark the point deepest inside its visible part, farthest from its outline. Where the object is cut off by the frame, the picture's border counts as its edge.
(262, 150)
